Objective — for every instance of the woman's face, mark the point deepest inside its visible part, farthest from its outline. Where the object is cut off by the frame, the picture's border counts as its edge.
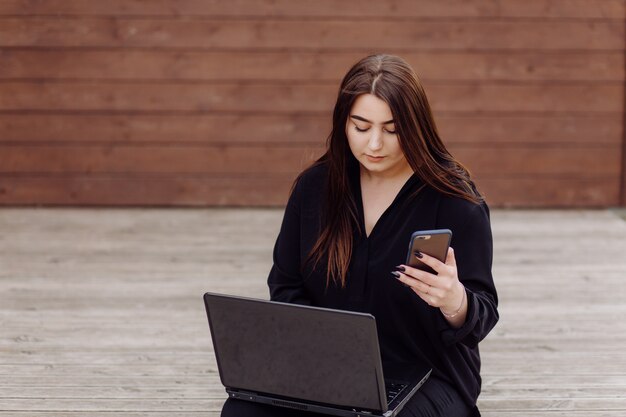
(372, 137)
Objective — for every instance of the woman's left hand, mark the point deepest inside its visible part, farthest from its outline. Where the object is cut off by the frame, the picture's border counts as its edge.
(444, 290)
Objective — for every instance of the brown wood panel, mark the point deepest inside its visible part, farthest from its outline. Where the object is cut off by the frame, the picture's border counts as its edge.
(345, 8)
(142, 191)
(200, 191)
(528, 93)
(294, 129)
(172, 129)
(455, 34)
(165, 97)
(217, 160)
(568, 130)
(278, 160)
(550, 192)
(16, 63)
(536, 161)
(526, 97)
(256, 97)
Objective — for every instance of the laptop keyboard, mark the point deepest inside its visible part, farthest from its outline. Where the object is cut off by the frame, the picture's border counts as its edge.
(393, 390)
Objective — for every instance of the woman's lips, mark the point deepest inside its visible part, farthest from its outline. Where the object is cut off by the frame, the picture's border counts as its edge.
(374, 158)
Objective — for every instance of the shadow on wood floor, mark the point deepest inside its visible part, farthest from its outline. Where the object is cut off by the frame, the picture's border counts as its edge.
(101, 310)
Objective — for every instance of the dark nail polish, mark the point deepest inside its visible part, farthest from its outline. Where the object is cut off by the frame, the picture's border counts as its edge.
(418, 254)
(400, 268)
(395, 274)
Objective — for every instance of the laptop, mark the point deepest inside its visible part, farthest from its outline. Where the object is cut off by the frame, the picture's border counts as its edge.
(306, 358)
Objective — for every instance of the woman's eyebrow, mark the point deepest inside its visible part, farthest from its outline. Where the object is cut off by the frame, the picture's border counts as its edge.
(363, 119)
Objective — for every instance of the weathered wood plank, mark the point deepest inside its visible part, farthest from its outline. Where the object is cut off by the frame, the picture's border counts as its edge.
(548, 412)
(559, 381)
(138, 276)
(193, 392)
(293, 98)
(306, 33)
(98, 413)
(145, 393)
(588, 9)
(498, 413)
(167, 65)
(200, 405)
(118, 405)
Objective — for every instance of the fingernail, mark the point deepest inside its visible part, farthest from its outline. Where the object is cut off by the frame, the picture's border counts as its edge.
(418, 254)
(400, 268)
(395, 274)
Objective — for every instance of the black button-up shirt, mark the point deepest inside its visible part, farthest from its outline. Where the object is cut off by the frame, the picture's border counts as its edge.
(408, 328)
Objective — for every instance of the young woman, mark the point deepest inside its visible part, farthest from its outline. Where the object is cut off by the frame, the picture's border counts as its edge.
(386, 174)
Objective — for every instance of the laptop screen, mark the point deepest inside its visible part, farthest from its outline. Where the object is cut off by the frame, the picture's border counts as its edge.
(319, 355)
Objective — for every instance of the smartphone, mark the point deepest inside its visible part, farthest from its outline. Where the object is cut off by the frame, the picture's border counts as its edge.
(431, 242)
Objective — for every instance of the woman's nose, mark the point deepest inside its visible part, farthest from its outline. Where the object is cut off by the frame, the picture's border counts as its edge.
(375, 142)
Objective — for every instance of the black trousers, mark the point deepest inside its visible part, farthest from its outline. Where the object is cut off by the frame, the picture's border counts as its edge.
(434, 399)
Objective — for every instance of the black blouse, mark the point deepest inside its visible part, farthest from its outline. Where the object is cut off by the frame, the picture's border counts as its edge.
(408, 328)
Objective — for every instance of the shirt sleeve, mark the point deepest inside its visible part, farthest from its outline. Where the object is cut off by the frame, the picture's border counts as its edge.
(285, 278)
(473, 249)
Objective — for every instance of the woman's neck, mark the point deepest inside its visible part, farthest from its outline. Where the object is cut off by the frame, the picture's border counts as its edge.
(401, 174)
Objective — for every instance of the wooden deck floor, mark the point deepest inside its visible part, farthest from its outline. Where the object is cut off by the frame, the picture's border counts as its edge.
(101, 311)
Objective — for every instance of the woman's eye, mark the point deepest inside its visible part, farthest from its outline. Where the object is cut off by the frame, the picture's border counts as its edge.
(359, 129)
(391, 132)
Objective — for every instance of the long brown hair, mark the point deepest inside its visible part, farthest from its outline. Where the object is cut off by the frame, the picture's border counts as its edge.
(391, 79)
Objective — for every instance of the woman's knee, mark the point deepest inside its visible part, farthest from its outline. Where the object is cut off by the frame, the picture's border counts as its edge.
(436, 398)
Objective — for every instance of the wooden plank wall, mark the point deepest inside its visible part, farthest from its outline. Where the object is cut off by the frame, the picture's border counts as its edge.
(207, 102)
